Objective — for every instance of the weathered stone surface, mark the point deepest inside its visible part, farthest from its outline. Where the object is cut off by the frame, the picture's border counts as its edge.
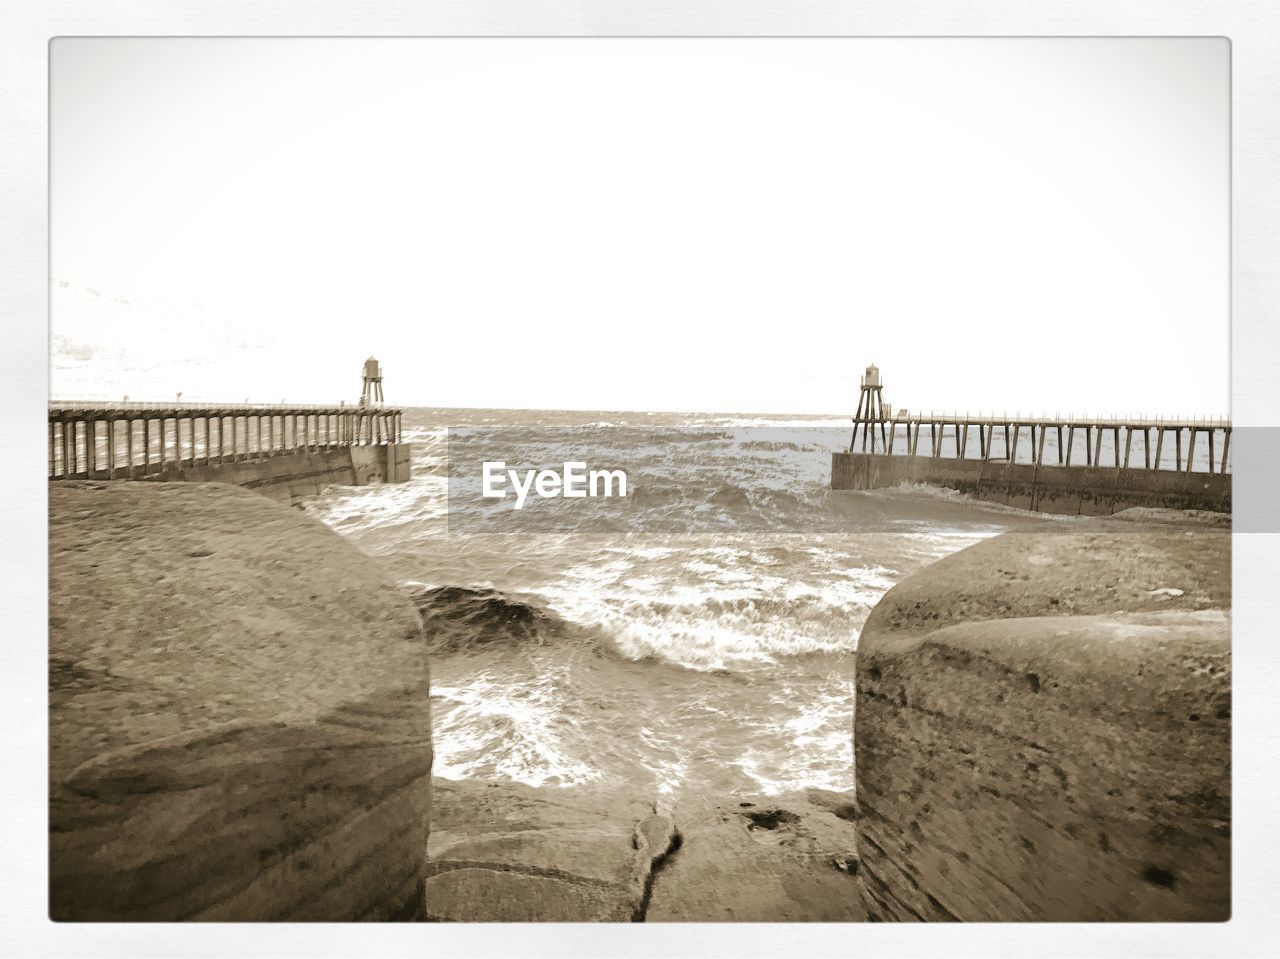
(239, 723)
(505, 852)
(1043, 730)
(783, 858)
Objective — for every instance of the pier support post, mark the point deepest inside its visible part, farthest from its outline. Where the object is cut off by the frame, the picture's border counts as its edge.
(1226, 445)
(857, 419)
(66, 449)
(1191, 447)
(90, 446)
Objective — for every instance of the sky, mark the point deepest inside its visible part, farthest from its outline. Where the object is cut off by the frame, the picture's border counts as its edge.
(1032, 225)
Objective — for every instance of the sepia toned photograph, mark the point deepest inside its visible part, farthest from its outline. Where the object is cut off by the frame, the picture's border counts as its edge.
(653, 480)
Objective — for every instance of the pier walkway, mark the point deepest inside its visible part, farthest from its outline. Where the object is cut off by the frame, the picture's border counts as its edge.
(1060, 464)
(1118, 442)
(286, 451)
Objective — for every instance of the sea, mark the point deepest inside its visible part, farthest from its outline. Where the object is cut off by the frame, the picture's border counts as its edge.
(697, 635)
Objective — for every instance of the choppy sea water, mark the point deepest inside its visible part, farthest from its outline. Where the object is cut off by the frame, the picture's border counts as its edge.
(700, 636)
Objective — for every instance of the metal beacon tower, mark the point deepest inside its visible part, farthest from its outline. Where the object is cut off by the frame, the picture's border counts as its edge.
(871, 412)
(372, 395)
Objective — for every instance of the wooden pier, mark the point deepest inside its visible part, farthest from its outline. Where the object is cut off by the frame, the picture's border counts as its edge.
(1075, 440)
(134, 440)
(1057, 464)
(289, 453)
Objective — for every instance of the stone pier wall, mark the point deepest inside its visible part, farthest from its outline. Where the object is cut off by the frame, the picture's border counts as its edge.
(292, 476)
(1075, 490)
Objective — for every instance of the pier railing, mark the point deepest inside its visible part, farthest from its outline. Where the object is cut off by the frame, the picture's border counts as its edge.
(1111, 442)
(128, 440)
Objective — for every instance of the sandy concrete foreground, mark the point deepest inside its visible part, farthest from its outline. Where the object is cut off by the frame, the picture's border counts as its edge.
(1043, 729)
(239, 720)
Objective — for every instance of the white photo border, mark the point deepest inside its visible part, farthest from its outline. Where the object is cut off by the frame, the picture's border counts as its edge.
(1254, 31)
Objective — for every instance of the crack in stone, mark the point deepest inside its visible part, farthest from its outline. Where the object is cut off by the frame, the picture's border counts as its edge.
(643, 842)
(443, 868)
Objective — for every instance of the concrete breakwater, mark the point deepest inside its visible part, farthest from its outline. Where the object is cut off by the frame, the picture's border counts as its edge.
(1042, 730)
(1075, 490)
(238, 713)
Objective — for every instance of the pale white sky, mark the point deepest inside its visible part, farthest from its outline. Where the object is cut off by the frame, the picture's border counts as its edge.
(739, 225)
